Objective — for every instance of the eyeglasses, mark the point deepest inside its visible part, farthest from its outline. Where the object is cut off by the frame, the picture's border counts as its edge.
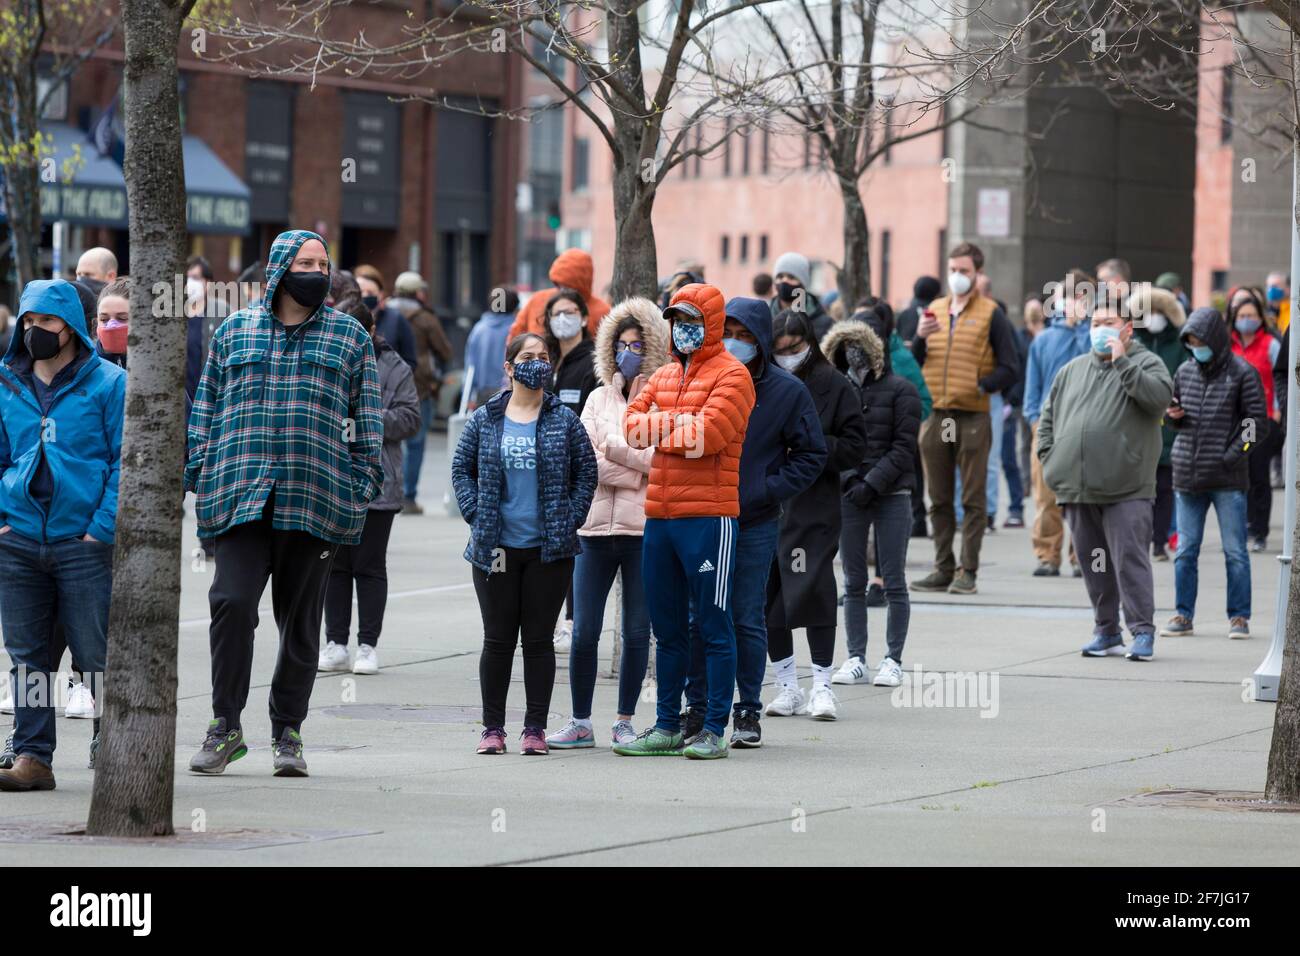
(636, 348)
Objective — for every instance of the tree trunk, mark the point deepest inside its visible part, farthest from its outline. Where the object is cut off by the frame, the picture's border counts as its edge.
(22, 172)
(854, 277)
(137, 755)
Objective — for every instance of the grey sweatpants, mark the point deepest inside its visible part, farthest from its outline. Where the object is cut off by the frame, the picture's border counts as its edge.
(1111, 542)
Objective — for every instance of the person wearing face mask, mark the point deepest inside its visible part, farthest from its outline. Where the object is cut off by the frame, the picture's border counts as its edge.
(1099, 444)
(285, 442)
(802, 593)
(1158, 320)
(967, 351)
(61, 413)
(572, 269)
(1066, 337)
(782, 455)
(524, 474)
(792, 275)
(1219, 411)
(1278, 295)
(204, 314)
(1254, 341)
(392, 326)
(693, 412)
(113, 320)
(631, 345)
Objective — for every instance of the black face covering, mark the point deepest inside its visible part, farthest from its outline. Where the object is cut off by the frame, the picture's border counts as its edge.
(307, 288)
(94, 285)
(785, 291)
(41, 343)
(371, 302)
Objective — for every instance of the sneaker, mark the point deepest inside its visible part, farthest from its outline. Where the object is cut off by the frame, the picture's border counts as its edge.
(7, 755)
(652, 743)
(1046, 569)
(876, 595)
(1239, 629)
(934, 581)
(821, 703)
(563, 638)
(492, 741)
(890, 673)
(6, 695)
(333, 658)
(786, 703)
(1158, 553)
(746, 734)
(963, 583)
(992, 526)
(1014, 521)
(94, 751)
(1144, 647)
(367, 661)
(411, 507)
(1259, 544)
(220, 747)
(692, 722)
(1076, 571)
(1178, 626)
(706, 746)
(287, 755)
(532, 742)
(572, 736)
(81, 704)
(852, 671)
(622, 732)
(1105, 645)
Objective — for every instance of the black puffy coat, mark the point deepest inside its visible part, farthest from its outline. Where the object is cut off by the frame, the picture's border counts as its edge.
(1223, 405)
(575, 376)
(891, 406)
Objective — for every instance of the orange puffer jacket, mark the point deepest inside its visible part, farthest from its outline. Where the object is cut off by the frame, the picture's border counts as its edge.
(694, 415)
(571, 269)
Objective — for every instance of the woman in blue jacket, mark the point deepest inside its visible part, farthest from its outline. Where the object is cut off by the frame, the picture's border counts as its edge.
(524, 474)
(61, 409)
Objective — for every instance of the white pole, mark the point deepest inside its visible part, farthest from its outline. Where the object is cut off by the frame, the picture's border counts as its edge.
(1269, 671)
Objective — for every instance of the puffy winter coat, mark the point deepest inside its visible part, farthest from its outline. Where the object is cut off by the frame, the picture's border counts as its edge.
(695, 472)
(571, 269)
(1166, 344)
(1223, 412)
(575, 376)
(619, 506)
(891, 406)
(566, 479)
(400, 403)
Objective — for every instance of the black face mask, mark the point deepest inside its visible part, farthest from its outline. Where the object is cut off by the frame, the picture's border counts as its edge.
(307, 288)
(785, 291)
(94, 285)
(371, 302)
(41, 343)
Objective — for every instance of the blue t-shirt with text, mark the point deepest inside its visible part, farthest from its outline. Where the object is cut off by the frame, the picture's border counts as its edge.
(521, 520)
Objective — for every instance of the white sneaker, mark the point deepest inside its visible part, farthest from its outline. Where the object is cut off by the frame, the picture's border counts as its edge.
(787, 703)
(563, 637)
(367, 661)
(821, 703)
(81, 703)
(890, 673)
(334, 657)
(852, 671)
(6, 695)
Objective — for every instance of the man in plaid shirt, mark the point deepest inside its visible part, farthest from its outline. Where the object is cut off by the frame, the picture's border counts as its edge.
(284, 455)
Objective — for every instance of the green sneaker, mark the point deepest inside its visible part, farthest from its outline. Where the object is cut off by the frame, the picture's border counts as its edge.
(219, 748)
(287, 755)
(652, 743)
(706, 746)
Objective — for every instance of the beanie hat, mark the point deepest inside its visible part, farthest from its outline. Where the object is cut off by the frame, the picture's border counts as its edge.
(926, 289)
(796, 265)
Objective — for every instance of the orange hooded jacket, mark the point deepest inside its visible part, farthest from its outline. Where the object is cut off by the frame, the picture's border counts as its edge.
(572, 269)
(695, 472)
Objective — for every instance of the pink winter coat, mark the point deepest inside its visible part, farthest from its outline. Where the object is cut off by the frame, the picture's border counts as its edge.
(619, 506)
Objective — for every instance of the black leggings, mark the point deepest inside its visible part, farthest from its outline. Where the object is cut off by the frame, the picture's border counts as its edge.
(522, 599)
(1259, 498)
(366, 563)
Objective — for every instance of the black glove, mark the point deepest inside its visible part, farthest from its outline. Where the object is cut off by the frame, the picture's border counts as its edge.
(861, 494)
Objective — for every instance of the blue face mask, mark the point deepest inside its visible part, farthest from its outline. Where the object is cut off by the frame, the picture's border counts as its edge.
(1102, 336)
(1202, 353)
(1246, 326)
(628, 363)
(745, 351)
(1276, 293)
(687, 336)
(533, 374)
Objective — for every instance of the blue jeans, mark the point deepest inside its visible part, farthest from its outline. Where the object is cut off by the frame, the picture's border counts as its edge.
(1011, 465)
(415, 450)
(593, 575)
(73, 581)
(995, 456)
(1192, 508)
(755, 552)
(687, 565)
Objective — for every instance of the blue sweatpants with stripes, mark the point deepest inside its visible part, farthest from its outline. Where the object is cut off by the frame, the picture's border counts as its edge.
(689, 561)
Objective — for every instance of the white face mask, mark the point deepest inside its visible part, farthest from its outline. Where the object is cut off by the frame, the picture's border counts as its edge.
(1156, 323)
(792, 362)
(958, 283)
(194, 289)
(566, 325)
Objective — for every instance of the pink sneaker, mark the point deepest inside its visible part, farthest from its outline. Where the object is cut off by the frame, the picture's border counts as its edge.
(532, 742)
(493, 741)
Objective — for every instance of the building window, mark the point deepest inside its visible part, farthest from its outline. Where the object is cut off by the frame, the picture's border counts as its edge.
(767, 150)
(943, 253)
(807, 148)
(1219, 280)
(762, 248)
(726, 149)
(744, 248)
(884, 264)
(744, 153)
(699, 145)
(889, 145)
(726, 248)
(581, 159)
(1225, 130)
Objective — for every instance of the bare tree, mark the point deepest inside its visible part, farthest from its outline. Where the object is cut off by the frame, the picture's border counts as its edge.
(136, 764)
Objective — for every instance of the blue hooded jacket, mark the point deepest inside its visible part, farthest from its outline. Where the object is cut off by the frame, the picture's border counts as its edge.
(1051, 350)
(75, 440)
(784, 450)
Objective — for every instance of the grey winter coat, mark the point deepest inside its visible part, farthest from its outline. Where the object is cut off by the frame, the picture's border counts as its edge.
(401, 407)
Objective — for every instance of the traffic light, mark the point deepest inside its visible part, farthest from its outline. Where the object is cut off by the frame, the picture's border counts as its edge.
(553, 215)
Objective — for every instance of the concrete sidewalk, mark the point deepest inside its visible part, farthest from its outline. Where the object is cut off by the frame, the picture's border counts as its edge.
(394, 778)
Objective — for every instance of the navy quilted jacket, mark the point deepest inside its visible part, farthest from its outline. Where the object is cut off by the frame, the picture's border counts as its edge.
(566, 483)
